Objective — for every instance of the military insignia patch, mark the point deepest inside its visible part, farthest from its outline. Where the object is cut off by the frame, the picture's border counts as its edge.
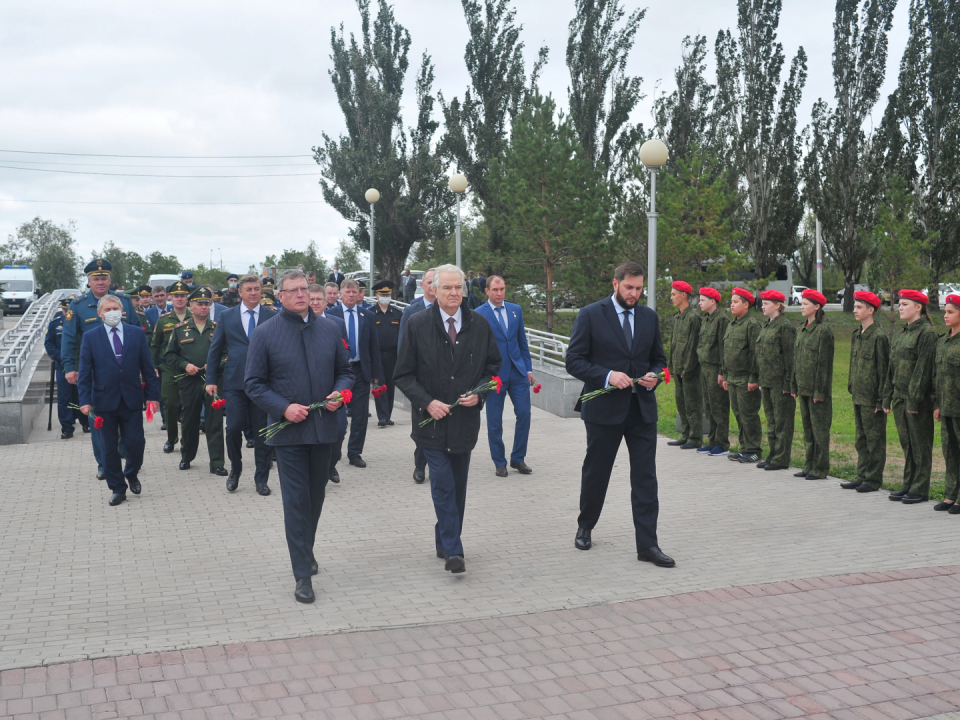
(69, 315)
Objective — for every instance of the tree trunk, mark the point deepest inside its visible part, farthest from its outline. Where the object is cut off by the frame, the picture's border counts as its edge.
(848, 298)
(548, 288)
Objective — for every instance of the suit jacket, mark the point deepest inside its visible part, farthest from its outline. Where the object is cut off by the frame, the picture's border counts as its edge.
(230, 341)
(513, 346)
(409, 288)
(598, 346)
(292, 361)
(336, 277)
(369, 344)
(103, 381)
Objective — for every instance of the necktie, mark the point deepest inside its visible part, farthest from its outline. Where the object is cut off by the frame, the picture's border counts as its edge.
(452, 331)
(117, 345)
(251, 323)
(500, 320)
(351, 334)
(627, 330)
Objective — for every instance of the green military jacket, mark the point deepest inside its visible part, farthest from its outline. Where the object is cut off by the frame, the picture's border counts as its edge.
(145, 324)
(740, 349)
(189, 346)
(813, 362)
(910, 375)
(161, 337)
(946, 376)
(775, 348)
(712, 331)
(869, 359)
(684, 341)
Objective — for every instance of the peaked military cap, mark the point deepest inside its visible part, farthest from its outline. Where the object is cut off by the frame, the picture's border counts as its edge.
(201, 294)
(268, 282)
(178, 288)
(384, 287)
(100, 266)
(144, 291)
(218, 293)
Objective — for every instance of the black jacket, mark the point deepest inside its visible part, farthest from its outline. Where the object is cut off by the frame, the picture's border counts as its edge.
(429, 369)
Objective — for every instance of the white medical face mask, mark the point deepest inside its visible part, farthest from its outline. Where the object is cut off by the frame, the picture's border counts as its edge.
(112, 317)
(233, 286)
(383, 300)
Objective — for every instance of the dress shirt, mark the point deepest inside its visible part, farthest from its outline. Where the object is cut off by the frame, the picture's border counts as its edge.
(502, 313)
(632, 315)
(109, 331)
(457, 319)
(246, 318)
(352, 316)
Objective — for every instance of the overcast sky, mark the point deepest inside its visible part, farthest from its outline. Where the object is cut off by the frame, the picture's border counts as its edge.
(240, 78)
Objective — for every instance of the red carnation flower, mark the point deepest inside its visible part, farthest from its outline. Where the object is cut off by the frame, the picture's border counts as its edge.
(666, 375)
(149, 412)
(143, 386)
(345, 345)
(98, 422)
(536, 388)
(347, 396)
(499, 382)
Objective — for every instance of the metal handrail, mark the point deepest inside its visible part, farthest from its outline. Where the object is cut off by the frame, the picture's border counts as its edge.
(18, 342)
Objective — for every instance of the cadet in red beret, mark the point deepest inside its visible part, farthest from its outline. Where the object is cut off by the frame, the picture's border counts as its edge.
(773, 295)
(869, 359)
(946, 399)
(775, 347)
(812, 384)
(710, 351)
(908, 395)
(685, 368)
(739, 372)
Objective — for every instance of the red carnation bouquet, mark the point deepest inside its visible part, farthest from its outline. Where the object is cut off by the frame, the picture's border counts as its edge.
(97, 419)
(495, 384)
(378, 390)
(663, 375)
(218, 403)
(536, 388)
(344, 396)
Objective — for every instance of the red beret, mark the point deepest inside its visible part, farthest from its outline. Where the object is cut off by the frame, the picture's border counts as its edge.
(745, 294)
(774, 295)
(711, 293)
(867, 297)
(683, 287)
(817, 297)
(914, 295)
(953, 300)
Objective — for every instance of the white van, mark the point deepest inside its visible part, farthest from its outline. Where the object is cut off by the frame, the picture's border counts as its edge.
(18, 287)
(165, 280)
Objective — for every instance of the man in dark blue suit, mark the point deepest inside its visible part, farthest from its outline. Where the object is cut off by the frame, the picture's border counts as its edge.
(616, 343)
(506, 319)
(231, 340)
(365, 364)
(419, 305)
(159, 306)
(114, 362)
(318, 303)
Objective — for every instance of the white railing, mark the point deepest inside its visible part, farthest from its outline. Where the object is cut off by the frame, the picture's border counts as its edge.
(545, 348)
(18, 342)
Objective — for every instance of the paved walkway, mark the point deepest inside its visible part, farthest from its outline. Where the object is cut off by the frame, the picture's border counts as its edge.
(186, 565)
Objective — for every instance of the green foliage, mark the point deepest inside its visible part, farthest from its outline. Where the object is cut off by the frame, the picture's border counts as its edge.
(347, 258)
(131, 269)
(202, 275)
(310, 259)
(684, 118)
(475, 246)
(49, 249)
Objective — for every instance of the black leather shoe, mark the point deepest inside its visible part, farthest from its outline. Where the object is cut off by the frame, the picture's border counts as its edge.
(655, 555)
(802, 474)
(233, 482)
(168, 446)
(913, 499)
(66, 435)
(304, 591)
(263, 489)
(251, 444)
(455, 564)
(941, 506)
(866, 488)
(675, 443)
(85, 428)
(381, 423)
(419, 476)
(850, 485)
(335, 477)
(502, 471)
(583, 541)
(521, 467)
(762, 464)
(689, 446)
(101, 475)
(358, 462)
(955, 510)
(314, 568)
(774, 466)
(163, 427)
(897, 495)
(221, 471)
(184, 465)
(117, 498)
(811, 476)
(134, 484)
(390, 422)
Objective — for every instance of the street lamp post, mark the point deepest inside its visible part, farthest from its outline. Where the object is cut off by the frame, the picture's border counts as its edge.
(372, 196)
(458, 184)
(653, 154)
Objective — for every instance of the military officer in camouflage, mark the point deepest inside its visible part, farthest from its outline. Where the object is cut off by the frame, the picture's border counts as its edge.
(713, 328)
(812, 385)
(739, 372)
(162, 333)
(908, 394)
(869, 359)
(775, 347)
(187, 354)
(946, 402)
(685, 367)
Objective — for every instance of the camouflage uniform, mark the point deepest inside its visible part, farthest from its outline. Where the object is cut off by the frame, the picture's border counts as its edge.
(685, 373)
(908, 392)
(812, 379)
(869, 359)
(946, 399)
(738, 369)
(715, 400)
(775, 346)
(168, 386)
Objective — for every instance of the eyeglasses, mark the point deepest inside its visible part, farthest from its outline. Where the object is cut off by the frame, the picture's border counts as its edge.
(302, 290)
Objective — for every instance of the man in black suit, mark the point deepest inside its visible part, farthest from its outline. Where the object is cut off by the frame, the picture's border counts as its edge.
(419, 305)
(364, 351)
(336, 276)
(617, 342)
(231, 340)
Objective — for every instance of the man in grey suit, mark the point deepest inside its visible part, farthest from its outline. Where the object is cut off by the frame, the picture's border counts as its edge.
(418, 305)
(409, 287)
(295, 360)
(231, 340)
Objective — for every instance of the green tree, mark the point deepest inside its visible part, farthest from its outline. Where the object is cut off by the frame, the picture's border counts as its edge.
(805, 255)
(311, 259)
(156, 263)
(368, 76)
(685, 118)
(347, 258)
(844, 182)
(553, 208)
(757, 121)
(49, 249)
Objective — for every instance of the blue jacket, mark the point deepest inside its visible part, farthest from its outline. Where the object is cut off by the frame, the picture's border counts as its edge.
(82, 317)
(598, 345)
(418, 305)
(513, 346)
(292, 361)
(369, 350)
(103, 381)
(51, 343)
(153, 314)
(230, 340)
